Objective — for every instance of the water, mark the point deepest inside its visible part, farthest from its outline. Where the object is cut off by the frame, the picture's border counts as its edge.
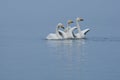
(26, 55)
(33, 58)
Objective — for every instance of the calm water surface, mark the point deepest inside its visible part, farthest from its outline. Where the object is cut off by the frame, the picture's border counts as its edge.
(34, 58)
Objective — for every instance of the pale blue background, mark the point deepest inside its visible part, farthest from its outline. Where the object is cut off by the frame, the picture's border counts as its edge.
(30, 17)
(26, 55)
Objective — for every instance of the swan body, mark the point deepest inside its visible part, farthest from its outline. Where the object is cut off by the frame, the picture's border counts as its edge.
(81, 33)
(57, 34)
(53, 36)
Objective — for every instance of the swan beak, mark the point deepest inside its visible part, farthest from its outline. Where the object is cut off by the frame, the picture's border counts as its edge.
(72, 22)
(81, 19)
(63, 27)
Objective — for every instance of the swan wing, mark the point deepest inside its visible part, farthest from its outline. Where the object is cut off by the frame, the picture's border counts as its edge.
(73, 28)
(72, 31)
(62, 33)
(85, 31)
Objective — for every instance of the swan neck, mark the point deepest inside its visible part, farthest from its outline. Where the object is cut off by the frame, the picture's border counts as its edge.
(57, 30)
(78, 26)
(77, 22)
(68, 26)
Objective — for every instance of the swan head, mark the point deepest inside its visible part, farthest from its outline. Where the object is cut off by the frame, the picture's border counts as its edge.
(79, 19)
(70, 21)
(60, 25)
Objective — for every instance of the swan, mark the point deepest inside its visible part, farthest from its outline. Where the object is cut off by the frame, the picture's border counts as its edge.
(68, 32)
(81, 33)
(56, 35)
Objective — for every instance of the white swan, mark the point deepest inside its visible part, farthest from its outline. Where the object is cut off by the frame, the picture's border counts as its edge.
(68, 32)
(81, 33)
(57, 34)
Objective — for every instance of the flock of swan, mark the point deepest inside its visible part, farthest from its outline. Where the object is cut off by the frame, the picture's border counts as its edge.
(68, 33)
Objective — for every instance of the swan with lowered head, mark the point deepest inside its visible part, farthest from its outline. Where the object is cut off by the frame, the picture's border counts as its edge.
(81, 33)
(56, 35)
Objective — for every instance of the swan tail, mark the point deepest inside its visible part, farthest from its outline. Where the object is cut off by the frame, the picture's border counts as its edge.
(50, 36)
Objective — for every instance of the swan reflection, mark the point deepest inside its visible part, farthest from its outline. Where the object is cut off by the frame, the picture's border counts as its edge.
(70, 52)
(69, 42)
